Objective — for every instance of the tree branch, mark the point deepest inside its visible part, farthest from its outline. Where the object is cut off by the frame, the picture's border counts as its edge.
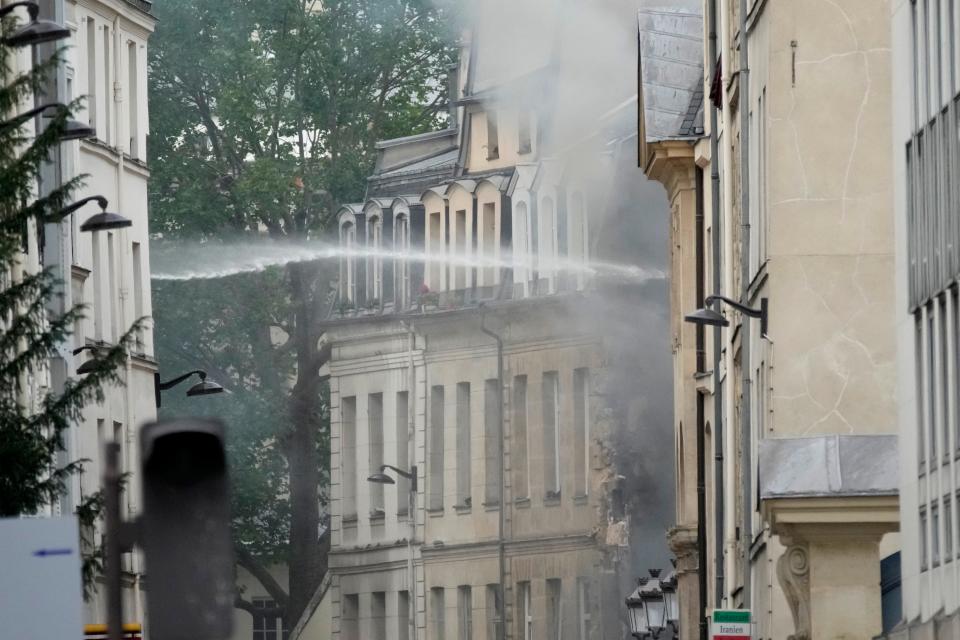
(246, 560)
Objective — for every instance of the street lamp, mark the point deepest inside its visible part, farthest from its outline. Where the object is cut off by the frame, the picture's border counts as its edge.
(203, 388)
(102, 221)
(650, 606)
(671, 604)
(708, 316)
(34, 32)
(383, 478)
(72, 129)
(90, 365)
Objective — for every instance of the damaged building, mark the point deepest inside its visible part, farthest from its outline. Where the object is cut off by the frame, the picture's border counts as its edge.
(477, 488)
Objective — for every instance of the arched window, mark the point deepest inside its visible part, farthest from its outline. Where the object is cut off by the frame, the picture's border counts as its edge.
(348, 269)
(401, 244)
(577, 226)
(522, 268)
(548, 240)
(375, 260)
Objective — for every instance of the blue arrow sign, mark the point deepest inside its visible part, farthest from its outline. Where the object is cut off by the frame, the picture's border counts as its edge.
(43, 553)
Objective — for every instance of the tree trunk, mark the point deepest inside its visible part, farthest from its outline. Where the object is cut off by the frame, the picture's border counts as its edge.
(306, 563)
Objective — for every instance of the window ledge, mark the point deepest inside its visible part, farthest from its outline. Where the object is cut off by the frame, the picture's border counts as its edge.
(581, 500)
(435, 512)
(462, 509)
(491, 506)
(551, 501)
(377, 515)
(522, 502)
(350, 520)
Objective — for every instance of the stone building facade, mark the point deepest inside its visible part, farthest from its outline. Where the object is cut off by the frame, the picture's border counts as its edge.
(924, 156)
(790, 207)
(108, 271)
(478, 367)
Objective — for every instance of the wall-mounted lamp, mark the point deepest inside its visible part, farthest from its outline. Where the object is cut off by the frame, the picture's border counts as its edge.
(34, 32)
(72, 129)
(203, 388)
(100, 222)
(708, 316)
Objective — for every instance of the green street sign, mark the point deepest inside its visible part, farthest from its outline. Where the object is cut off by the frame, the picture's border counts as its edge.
(730, 624)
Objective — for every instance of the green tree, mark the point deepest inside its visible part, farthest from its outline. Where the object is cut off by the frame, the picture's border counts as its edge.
(264, 116)
(32, 423)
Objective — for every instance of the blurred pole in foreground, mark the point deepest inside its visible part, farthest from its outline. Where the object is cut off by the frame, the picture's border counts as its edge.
(111, 489)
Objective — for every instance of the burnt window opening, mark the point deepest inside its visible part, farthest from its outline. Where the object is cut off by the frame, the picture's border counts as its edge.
(523, 128)
(493, 136)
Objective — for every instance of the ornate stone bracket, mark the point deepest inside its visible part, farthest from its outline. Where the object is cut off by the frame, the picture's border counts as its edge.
(793, 572)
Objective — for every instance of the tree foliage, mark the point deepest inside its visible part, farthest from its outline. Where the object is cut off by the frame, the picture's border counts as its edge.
(264, 117)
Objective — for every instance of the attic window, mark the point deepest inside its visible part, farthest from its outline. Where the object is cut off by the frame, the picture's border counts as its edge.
(493, 139)
(523, 127)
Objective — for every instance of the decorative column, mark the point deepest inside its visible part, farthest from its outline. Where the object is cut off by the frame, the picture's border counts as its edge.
(683, 544)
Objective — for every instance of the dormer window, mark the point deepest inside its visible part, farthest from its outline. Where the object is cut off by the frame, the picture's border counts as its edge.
(493, 136)
(348, 238)
(375, 244)
(523, 128)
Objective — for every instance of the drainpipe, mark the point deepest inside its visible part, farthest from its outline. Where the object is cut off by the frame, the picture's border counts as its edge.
(718, 506)
(746, 535)
(501, 628)
(411, 452)
(701, 427)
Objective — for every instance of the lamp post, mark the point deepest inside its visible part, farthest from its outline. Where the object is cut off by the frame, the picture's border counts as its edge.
(203, 388)
(383, 478)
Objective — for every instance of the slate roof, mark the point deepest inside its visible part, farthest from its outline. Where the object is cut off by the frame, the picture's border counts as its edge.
(828, 466)
(671, 71)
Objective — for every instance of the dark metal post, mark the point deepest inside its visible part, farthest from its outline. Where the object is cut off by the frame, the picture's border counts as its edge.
(111, 485)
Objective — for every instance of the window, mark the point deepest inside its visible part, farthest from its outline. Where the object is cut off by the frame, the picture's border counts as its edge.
(435, 249)
(378, 615)
(578, 234)
(401, 243)
(133, 101)
(118, 439)
(583, 608)
(348, 273)
(106, 133)
(348, 456)
(464, 613)
(931, 388)
(138, 292)
(494, 614)
(581, 431)
(375, 244)
(403, 615)
(551, 434)
(97, 275)
(460, 250)
(488, 242)
(935, 534)
(493, 137)
(523, 128)
(554, 608)
(114, 302)
(436, 448)
(524, 611)
(492, 437)
(547, 249)
(464, 472)
(93, 90)
(403, 453)
(955, 381)
(943, 369)
(522, 266)
(375, 449)
(437, 617)
(268, 625)
(947, 529)
(921, 427)
(349, 617)
(518, 455)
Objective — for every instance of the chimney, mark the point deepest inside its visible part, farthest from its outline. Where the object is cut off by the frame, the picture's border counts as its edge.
(453, 91)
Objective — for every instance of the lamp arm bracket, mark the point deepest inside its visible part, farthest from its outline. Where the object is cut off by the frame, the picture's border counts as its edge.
(406, 474)
(169, 384)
